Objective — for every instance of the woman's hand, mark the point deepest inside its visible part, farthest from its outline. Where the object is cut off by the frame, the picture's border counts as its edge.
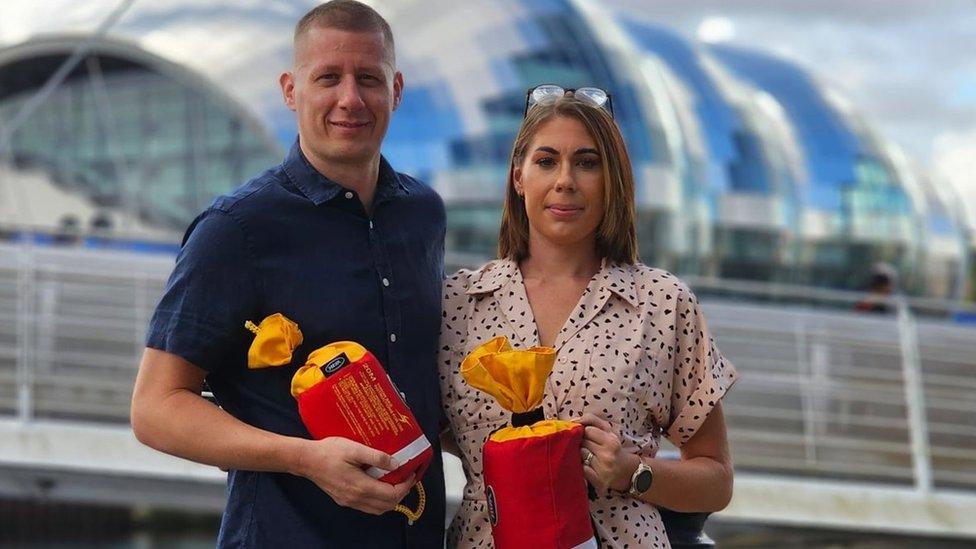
(606, 465)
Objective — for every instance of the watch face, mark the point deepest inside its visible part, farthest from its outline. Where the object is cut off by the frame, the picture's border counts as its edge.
(643, 481)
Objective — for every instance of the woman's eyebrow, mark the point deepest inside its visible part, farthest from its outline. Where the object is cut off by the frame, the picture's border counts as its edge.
(549, 150)
(587, 150)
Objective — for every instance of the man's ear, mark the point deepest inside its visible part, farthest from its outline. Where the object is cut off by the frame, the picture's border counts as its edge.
(287, 83)
(397, 89)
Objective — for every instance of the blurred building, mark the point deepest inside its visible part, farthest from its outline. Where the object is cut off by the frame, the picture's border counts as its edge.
(746, 166)
(142, 142)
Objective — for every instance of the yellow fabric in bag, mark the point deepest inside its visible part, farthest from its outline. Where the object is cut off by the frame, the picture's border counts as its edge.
(517, 380)
(275, 340)
(311, 373)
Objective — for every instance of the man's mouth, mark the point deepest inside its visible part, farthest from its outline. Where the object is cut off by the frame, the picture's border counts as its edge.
(349, 125)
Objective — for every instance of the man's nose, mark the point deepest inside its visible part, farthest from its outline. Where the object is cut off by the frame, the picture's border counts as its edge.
(349, 94)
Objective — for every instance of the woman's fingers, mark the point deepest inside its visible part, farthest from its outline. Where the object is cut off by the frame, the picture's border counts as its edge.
(588, 419)
(594, 479)
(595, 434)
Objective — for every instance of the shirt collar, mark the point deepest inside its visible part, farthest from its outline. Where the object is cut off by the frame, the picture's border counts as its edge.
(319, 189)
(617, 278)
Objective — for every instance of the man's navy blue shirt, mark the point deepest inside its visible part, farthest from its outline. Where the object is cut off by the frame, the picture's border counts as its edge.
(293, 242)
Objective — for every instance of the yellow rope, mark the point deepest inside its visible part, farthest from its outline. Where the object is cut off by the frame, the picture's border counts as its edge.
(413, 516)
(251, 326)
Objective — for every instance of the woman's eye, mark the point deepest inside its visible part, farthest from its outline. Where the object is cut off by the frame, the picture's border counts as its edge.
(588, 163)
(546, 161)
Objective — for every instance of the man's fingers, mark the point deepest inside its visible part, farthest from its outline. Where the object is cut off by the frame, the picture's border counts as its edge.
(401, 490)
(370, 457)
(388, 496)
(371, 495)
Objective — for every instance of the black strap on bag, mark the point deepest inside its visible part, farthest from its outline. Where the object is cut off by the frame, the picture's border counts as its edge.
(528, 418)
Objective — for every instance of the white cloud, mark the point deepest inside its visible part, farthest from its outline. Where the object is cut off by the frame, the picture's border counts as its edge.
(954, 158)
(21, 20)
(716, 29)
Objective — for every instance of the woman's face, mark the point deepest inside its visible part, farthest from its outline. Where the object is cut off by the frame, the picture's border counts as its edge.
(561, 181)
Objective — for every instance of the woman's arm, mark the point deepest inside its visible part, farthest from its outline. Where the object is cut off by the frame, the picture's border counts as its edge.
(449, 444)
(701, 481)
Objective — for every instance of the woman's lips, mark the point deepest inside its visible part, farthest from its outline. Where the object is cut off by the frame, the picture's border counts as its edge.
(564, 211)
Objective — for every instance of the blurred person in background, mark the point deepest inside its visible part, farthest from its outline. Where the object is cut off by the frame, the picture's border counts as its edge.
(337, 241)
(635, 359)
(881, 286)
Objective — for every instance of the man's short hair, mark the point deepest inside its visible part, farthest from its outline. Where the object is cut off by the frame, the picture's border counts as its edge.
(347, 15)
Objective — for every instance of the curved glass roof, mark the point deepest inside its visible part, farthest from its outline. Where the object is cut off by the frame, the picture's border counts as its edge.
(850, 181)
(708, 129)
(130, 131)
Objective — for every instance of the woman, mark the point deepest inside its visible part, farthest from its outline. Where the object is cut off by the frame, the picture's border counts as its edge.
(635, 360)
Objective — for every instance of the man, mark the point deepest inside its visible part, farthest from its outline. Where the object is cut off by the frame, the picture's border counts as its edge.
(337, 241)
(881, 287)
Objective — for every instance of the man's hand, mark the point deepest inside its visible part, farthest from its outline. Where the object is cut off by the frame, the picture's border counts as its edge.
(338, 466)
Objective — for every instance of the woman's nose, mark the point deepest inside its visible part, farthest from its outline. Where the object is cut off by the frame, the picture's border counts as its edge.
(565, 181)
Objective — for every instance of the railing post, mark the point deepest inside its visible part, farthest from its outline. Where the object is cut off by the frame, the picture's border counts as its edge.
(804, 375)
(25, 332)
(914, 397)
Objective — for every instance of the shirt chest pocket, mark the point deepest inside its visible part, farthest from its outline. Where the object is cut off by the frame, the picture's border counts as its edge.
(608, 384)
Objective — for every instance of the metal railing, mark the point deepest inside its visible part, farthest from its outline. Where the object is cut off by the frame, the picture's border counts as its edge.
(72, 324)
(825, 393)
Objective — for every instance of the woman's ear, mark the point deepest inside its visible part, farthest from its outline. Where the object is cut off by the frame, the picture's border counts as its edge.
(517, 180)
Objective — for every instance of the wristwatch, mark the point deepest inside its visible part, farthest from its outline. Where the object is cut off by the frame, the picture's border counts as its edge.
(641, 480)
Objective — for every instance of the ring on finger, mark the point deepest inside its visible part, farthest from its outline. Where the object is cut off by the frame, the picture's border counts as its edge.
(588, 459)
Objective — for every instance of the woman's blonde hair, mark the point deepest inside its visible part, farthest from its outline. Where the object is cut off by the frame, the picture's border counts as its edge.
(616, 238)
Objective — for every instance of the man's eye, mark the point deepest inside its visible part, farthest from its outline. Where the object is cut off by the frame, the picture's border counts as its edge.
(329, 77)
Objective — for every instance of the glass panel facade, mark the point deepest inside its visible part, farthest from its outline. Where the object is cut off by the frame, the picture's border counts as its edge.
(134, 139)
(465, 107)
(745, 167)
(855, 211)
(749, 151)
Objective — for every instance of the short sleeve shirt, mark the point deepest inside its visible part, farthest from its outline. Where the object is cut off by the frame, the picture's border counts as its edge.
(291, 241)
(635, 351)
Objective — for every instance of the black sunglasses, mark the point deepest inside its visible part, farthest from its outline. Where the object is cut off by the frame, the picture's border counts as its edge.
(549, 93)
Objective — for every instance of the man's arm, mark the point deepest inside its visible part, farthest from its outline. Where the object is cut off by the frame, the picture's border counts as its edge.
(169, 414)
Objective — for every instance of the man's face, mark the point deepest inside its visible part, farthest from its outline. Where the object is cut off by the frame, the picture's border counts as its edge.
(343, 88)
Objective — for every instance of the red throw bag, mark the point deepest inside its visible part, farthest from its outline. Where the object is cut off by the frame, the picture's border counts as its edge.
(343, 391)
(533, 475)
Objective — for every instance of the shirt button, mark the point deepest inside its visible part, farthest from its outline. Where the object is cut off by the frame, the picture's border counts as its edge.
(349, 194)
(393, 338)
(370, 223)
(386, 282)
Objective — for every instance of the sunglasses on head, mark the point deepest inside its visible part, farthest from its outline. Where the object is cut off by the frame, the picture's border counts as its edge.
(549, 93)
